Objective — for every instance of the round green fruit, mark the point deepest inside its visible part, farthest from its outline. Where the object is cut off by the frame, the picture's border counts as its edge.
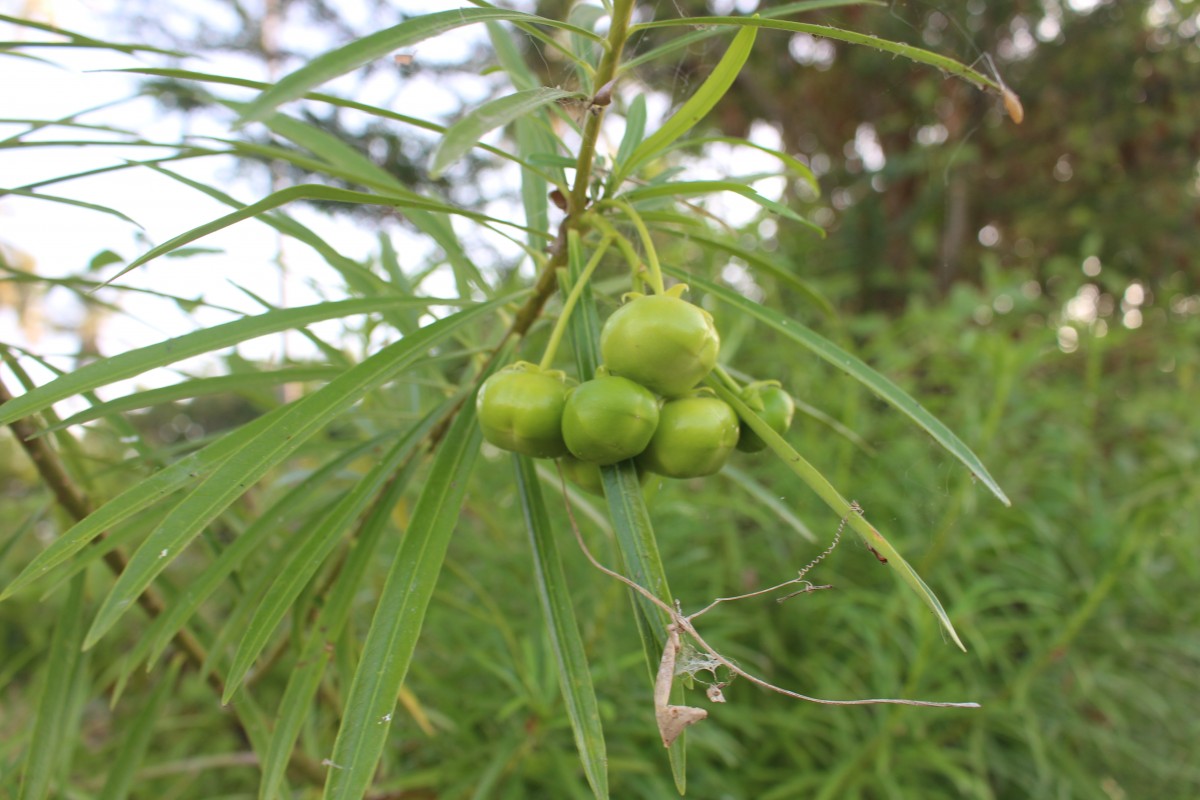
(773, 405)
(609, 419)
(695, 436)
(662, 342)
(520, 409)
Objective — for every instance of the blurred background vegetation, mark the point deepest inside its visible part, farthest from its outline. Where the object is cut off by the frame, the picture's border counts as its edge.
(1035, 286)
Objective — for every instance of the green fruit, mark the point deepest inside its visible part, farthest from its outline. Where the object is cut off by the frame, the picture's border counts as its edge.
(609, 419)
(773, 405)
(662, 342)
(520, 409)
(695, 436)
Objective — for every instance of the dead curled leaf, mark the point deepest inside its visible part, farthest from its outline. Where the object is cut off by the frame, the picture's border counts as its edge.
(671, 719)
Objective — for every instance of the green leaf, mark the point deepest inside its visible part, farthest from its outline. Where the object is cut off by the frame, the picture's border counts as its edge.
(396, 199)
(792, 163)
(67, 201)
(337, 62)
(574, 674)
(396, 626)
(137, 738)
(508, 53)
(534, 188)
(359, 279)
(314, 655)
(628, 512)
(852, 366)
(339, 102)
(643, 565)
(277, 441)
(239, 382)
(635, 130)
(764, 264)
(295, 502)
(49, 742)
(79, 40)
(139, 496)
(693, 36)
(294, 570)
(825, 490)
(695, 108)
(135, 362)
(943, 63)
(767, 499)
(693, 188)
(462, 135)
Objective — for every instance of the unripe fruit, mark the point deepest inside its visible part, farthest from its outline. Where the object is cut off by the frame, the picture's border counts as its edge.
(773, 405)
(695, 436)
(609, 419)
(662, 342)
(520, 409)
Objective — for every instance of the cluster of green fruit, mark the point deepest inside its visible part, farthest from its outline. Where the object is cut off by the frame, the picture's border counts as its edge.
(643, 403)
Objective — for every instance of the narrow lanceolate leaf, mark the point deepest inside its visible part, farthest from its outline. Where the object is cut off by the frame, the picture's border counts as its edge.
(765, 263)
(276, 442)
(943, 63)
(460, 137)
(137, 739)
(394, 198)
(79, 40)
(768, 500)
(643, 565)
(574, 674)
(305, 678)
(693, 188)
(789, 161)
(535, 189)
(696, 106)
(635, 129)
(69, 201)
(141, 495)
(400, 614)
(135, 362)
(295, 503)
(299, 565)
(855, 368)
(49, 742)
(337, 62)
(685, 40)
(629, 515)
(243, 382)
(825, 490)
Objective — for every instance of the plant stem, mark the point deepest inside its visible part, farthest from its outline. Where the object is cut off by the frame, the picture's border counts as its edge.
(560, 327)
(656, 278)
(626, 248)
(727, 379)
(577, 202)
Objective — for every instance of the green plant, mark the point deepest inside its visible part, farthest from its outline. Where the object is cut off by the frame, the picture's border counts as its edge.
(278, 526)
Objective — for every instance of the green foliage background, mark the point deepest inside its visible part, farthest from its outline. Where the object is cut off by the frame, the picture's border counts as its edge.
(1077, 604)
